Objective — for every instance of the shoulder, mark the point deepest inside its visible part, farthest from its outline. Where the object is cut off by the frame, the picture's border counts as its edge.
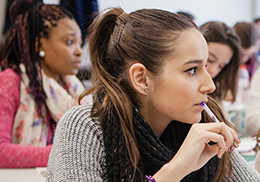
(78, 141)
(242, 171)
(10, 84)
(9, 74)
(78, 120)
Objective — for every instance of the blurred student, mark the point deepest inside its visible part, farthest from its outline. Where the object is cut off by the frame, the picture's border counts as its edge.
(252, 114)
(40, 58)
(146, 121)
(249, 37)
(224, 59)
(187, 14)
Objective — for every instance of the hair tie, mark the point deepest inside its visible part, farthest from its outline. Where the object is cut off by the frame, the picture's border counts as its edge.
(121, 21)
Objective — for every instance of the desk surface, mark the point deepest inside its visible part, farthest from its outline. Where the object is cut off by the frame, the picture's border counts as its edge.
(21, 175)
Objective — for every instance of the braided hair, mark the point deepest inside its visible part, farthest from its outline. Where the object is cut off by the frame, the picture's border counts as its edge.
(31, 20)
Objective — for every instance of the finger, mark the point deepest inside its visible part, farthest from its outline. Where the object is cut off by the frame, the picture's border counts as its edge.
(236, 140)
(235, 136)
(215, 150)
(219, 140)
(223, 129)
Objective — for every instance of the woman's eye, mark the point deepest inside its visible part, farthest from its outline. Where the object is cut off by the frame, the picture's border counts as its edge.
(69, 42)
(192, 70)
(210, 61)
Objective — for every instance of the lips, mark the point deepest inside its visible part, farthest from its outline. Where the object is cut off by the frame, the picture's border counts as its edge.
(201, 102)
(77, 63)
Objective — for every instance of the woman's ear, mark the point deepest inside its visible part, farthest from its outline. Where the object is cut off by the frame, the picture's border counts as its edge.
(37, 44)
(138, 77)
(40, 43)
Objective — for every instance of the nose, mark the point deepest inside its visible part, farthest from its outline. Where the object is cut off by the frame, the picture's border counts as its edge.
(78, 50)
(207, 86)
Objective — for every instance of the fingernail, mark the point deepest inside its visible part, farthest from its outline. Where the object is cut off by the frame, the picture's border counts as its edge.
(235, 144)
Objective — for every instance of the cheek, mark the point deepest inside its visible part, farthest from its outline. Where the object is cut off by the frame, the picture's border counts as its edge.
(177, 93)
(212, 70)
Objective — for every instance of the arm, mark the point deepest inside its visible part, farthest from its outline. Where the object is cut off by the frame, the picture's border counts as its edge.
(78, 149)
(252, 117)
(242, 171)
(15, 155)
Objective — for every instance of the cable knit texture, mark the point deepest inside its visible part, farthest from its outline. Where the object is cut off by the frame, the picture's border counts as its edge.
(13, 155)
(78, 152)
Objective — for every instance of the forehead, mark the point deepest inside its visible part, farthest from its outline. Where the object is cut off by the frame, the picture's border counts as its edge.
(65, 26)
(191, 45)
(220, 50)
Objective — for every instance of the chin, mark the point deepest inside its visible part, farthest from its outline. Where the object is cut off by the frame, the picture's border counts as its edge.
(73, 72)
(191, 120)
(196, 119)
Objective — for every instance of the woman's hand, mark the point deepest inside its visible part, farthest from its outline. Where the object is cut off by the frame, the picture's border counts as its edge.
(195, 151)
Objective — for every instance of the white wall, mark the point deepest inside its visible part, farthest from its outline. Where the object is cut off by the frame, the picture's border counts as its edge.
(256, 8)
(2, 15)
(227, 11)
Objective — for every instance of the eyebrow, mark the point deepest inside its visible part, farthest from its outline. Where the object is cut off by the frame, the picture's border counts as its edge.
(193, 61)
(213, 55)
(72, 34)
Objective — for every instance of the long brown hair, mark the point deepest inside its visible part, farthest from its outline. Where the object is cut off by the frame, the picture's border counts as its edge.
(225, 165)
(225, 81)
(118, 40)
(247, 33)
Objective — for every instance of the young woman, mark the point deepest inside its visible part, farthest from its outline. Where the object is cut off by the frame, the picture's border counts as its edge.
(40, 57)
(249, 37)
(224, 58)
(144, 124)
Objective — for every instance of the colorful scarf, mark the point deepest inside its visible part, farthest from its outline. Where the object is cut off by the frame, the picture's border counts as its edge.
(29, 128)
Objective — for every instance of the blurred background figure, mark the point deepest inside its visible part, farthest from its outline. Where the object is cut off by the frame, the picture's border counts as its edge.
(187, 14)
(40, 57)
(224, 59)
(252, 114)
(249, 36)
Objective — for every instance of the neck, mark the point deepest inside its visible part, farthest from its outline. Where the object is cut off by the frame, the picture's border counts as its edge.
(49, 73)
(157, 123)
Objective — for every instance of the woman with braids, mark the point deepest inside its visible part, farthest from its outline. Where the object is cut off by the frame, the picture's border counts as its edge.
(224, 58)
(40, 58)
(146, 121)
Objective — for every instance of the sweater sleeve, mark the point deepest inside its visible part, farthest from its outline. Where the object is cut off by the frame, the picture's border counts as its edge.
(242, 171)
(78, 149)
(15, 155)
(252, 115)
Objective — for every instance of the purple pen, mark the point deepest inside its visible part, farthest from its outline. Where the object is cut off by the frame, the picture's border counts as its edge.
(210, 113)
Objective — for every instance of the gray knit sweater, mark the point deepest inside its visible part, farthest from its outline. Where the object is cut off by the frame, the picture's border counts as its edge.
(78, 151)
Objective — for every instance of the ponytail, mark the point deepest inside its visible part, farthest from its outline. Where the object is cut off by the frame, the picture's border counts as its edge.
(110, 100)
